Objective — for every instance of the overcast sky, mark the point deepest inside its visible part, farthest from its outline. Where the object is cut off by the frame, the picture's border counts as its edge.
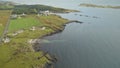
(66, 3)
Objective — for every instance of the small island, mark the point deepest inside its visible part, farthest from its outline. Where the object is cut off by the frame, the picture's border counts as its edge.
(20, 27)
(99, 6)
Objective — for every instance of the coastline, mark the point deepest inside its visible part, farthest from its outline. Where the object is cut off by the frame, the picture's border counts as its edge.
(20, 52)
(53, 58)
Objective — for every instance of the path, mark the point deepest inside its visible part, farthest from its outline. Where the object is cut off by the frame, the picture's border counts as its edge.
(6, 28)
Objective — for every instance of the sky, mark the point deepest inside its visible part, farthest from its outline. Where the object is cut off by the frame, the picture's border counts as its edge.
(66, 3)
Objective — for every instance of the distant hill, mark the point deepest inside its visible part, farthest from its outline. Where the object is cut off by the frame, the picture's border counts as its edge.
(5, 5)
(28, 9)
(99, 6)
(18, 9)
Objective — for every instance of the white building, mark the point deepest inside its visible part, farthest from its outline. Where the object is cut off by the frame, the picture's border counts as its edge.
(22, 15)
(46, 13)
(14, 16)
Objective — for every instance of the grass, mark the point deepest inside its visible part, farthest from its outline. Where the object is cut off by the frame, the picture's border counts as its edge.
(23, 23)
(4, 15)
(22, 60)
(5, 54)
(53, 19)
(33, 20)
(32, 61)
(54, 22)
(20, 54)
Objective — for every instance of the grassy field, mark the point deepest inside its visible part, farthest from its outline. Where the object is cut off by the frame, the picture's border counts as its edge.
(23, 23)
(4, 15)
(20, 54)
(33, 20)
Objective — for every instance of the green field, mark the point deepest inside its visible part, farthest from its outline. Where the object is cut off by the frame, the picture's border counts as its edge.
(23, 23)
(33, 20)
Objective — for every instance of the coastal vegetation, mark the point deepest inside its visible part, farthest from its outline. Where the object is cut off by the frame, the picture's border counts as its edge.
(34, 9)
(19, 52)
(99, 6)
(25, 26)
(23, 23)
(31, 9)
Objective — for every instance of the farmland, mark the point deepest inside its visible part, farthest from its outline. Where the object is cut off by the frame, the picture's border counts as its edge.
(23, 23)
(4, 15)
(33, 20)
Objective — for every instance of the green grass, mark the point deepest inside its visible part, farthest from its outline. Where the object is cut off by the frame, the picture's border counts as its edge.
(23, 23)
(20, 54)
(22, 60)
(32, 20)
(5, 54)
(27, 60)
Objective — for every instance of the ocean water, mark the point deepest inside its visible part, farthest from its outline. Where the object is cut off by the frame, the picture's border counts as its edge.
(93, 44)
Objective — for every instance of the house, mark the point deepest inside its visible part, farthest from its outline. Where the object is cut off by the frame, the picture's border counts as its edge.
(23, 15)
(46, 13)
(14, 16)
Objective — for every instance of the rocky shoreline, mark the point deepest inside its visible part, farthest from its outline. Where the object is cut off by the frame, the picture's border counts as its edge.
(53, 58)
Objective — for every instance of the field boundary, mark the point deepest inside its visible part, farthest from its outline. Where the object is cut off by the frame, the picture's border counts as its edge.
(6, 28)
